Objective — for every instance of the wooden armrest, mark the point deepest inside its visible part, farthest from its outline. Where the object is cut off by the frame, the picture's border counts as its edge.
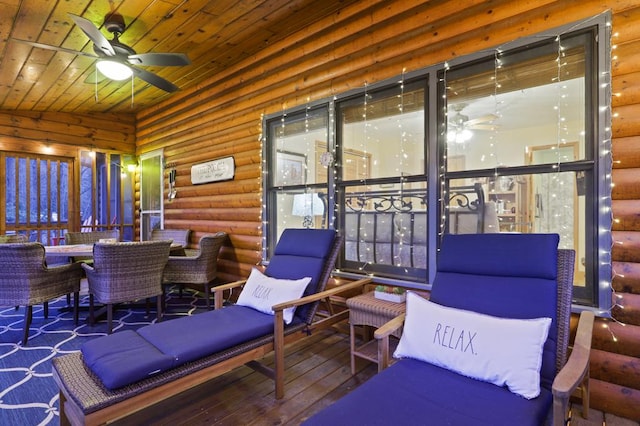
(576, 371)
(389, 327)
(578, 364)
(382, 335)
(218, 291)
(322, 295)
(229, 286)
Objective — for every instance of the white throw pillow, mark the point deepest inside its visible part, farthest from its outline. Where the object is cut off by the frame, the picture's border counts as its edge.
(261, 292)
(501, 351)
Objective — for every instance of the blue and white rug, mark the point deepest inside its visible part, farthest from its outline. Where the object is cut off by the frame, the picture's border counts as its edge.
(28, 394)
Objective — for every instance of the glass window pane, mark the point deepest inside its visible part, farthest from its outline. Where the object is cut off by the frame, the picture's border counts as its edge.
(10, 188)
(386, 229)
(64, 192)
(86, 189)
(298, 142)
(382, 133)
(22, 190)
(151, 191)
(500, 110)
(529, 203)
(300, 209)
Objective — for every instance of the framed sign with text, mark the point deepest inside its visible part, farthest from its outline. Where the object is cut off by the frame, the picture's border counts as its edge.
(213, 171)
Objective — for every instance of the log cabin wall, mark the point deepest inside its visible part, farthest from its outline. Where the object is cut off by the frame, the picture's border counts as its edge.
(65, 133)
(372, 41)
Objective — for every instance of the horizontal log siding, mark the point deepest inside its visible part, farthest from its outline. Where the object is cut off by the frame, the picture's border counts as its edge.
(371, 41)
(64, 133)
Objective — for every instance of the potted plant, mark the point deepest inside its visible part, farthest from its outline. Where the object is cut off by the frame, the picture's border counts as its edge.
(390, 294)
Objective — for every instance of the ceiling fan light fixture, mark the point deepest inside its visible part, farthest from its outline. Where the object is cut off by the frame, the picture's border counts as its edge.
(114, 70)
(459, 136)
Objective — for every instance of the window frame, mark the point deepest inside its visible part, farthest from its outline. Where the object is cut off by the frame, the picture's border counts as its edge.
(597, 119)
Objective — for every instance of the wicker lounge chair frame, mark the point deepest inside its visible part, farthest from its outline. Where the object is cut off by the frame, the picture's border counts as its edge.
(84, 400)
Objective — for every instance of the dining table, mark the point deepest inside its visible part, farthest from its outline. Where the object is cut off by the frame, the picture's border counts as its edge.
(86, 250)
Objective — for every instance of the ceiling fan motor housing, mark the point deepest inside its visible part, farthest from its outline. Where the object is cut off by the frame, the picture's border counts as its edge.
(114, 23)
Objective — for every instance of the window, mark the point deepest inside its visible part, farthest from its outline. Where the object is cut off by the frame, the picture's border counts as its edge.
(151, 190)
(106, 193)
(510, 140)
(37, 196)
(297, 185)
(382, 181)
(520, 125)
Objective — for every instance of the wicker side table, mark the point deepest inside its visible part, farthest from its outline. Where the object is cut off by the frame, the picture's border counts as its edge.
(366, 310)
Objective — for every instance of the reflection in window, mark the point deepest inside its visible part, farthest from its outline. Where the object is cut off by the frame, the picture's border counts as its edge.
(383, 183)
(298, 149)
(516, 126)
(508, 105)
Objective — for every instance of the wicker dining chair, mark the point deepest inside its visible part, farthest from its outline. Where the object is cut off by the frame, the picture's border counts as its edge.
(26, 280)
(125, 272)
(197, 270)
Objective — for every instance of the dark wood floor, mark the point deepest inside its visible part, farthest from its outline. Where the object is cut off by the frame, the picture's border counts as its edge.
(318, 373)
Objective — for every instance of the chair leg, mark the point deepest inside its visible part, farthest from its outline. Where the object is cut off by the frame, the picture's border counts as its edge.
(27, 323)
(45, 305)
(109, 318)
(92, 319)
(159, 308)
(68, 299)
(207, 295)
(76, 307)
(147, 305)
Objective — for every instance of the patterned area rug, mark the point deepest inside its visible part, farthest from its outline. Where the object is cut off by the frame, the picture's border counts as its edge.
(28, 394)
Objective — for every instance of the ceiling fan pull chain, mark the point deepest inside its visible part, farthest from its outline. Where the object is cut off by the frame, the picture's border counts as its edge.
(95, 73)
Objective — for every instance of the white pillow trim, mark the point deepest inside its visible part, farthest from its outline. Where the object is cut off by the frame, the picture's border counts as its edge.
(502, 351)
(262, 292)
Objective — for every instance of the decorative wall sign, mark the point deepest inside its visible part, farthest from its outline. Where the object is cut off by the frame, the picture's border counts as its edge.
(213, 171)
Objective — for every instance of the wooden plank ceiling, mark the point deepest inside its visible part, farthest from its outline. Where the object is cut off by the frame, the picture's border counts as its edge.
(214, 34)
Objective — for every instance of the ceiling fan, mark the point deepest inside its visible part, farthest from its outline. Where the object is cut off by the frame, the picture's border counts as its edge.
(116, 60)
(460, 126)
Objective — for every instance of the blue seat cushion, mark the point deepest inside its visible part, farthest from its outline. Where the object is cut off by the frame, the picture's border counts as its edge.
(193, 337)
(301, 253)
(412, 392)
(123, 358)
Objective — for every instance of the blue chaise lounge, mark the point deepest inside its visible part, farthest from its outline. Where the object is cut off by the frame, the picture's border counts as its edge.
(117, 375)
(489, 346)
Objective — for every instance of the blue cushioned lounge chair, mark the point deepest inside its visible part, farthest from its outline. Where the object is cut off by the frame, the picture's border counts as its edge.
(170, 357)
(520, 276)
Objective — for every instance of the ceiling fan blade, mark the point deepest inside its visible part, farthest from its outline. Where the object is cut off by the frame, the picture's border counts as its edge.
(482, 119)
(154, 80)
(94, 34)
(56, 48)
(161, 59)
